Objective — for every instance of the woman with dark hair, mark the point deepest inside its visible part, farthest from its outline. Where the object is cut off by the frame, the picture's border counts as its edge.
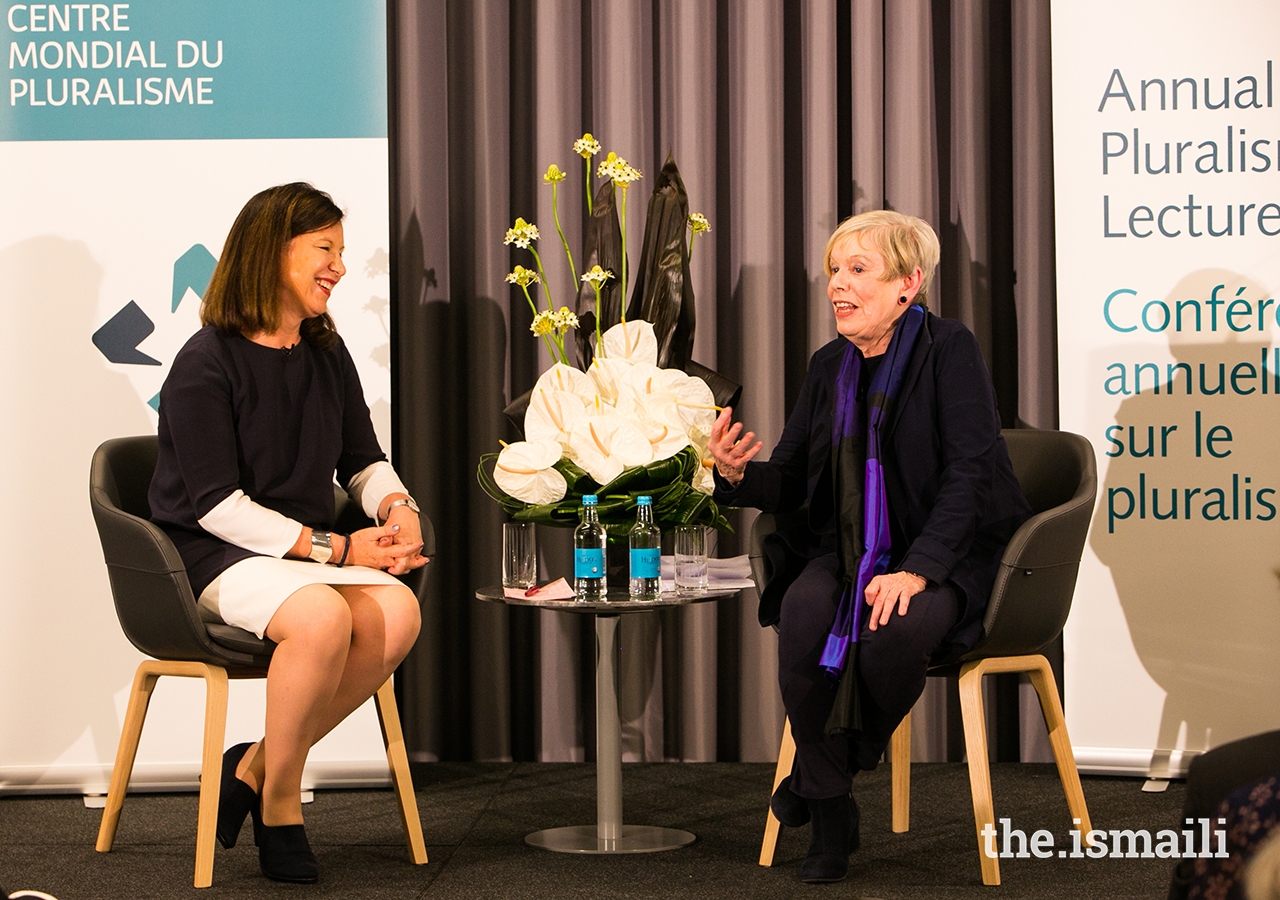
(893, 453)
(261, 410)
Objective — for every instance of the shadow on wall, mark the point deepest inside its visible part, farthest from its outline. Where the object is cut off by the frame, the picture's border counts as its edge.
(1185, 525)
(63, 655)
(460, 705)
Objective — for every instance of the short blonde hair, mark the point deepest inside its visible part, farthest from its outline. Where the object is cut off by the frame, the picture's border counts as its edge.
(904, 242)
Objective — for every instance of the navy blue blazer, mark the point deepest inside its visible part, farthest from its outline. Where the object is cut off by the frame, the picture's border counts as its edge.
(953, 499)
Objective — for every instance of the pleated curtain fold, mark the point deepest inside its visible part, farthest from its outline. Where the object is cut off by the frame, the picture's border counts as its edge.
(784, 117)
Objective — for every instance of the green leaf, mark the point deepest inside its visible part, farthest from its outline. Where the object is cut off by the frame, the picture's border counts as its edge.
(667, 481)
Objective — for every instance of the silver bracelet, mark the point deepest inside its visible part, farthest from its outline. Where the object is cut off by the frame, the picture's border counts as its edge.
(403, 501)
(321, 546)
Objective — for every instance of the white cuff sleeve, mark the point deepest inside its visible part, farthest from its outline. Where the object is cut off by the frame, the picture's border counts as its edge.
(240, 521)
(371, 484)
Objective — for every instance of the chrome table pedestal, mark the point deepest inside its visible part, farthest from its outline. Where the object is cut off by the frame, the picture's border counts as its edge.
(609, 834)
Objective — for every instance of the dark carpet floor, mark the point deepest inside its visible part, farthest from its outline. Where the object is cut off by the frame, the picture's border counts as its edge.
(475, 817)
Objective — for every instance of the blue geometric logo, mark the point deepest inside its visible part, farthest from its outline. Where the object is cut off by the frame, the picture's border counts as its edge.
(119, 337)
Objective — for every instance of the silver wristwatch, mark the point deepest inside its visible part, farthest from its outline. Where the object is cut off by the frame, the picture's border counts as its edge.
(403, 501)
(321, 546)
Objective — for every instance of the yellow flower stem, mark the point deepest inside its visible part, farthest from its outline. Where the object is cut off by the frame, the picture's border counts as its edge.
(622, 205)
(587, 160)
(533, 306)
(692, 236)
(546, 288)
(555, 214)
(599, 339)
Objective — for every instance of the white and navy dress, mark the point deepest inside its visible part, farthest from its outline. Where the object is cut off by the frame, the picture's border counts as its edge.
(251, 438)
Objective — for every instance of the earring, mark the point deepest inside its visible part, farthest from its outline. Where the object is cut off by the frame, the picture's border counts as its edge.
(902, 299)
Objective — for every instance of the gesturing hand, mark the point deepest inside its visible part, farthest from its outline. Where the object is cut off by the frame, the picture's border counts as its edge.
(730, 448)
(887, 591)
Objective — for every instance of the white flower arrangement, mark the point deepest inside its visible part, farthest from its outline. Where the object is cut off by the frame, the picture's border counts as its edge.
(622, 413)
(622, 428)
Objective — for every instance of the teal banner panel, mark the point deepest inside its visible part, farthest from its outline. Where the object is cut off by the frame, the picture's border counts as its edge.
(195, 69)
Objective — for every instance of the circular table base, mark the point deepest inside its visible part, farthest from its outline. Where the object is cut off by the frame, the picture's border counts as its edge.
(586, 839)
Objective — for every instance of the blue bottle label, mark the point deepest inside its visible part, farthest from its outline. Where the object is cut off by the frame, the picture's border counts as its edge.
(588, 563)
(645, 563)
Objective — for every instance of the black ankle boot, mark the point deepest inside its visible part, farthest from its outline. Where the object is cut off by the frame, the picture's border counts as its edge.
(235, 799)
(835, 836)
(789, 809)
(284, 854)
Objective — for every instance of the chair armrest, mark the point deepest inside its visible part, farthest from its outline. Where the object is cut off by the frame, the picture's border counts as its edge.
(761, 570)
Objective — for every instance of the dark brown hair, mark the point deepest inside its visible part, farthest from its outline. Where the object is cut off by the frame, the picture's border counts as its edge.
(243, 296)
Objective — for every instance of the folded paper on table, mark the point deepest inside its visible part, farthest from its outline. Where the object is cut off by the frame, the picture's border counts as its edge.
(731, 574)
(555, 590)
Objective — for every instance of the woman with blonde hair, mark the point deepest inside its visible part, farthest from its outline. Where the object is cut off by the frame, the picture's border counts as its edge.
(894, 459)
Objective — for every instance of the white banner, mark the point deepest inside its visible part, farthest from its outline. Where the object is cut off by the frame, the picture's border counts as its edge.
(1167, 173)
(113, 215)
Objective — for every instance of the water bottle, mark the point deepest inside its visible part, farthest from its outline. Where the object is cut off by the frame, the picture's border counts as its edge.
(589, 579)
(646, 552)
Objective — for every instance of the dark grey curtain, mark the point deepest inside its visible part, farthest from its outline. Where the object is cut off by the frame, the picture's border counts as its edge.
(784, 118)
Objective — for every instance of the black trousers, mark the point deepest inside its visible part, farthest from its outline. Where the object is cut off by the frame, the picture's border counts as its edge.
(892, 661)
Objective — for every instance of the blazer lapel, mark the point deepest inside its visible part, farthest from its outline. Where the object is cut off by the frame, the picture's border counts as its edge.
(824, 405)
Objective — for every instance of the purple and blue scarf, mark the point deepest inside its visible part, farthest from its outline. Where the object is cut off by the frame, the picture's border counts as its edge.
(863, 511)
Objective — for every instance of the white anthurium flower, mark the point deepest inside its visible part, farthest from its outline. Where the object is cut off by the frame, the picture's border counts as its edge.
(598, 406)
(564, 378)
(700, 439)
(703, 481)
(647, 390)
(697, 403)
(665, 412)
(551, 416)
(605, 445)
(626, 404)
(589, 396)
(524, 470)
(633, 341)
(666, 440)
(644, 380)
(606, 373)
(657, 409)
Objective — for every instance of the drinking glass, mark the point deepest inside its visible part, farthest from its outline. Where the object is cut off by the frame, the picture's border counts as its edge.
(519, 555)
(691, 558)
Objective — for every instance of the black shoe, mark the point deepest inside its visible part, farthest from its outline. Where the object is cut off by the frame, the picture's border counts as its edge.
(285, 855)
(835, 836)
(235, 799)
(789, 809)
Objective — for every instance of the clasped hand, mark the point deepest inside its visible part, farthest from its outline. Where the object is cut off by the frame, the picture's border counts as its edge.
(394, 546)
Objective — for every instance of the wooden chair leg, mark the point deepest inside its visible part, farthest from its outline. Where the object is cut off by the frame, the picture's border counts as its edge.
(398, 760)
(215, 726)
(1047, 690)
(900, 764)
(975, 743)
(215, 731)
(786, 757)
(144, 682)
